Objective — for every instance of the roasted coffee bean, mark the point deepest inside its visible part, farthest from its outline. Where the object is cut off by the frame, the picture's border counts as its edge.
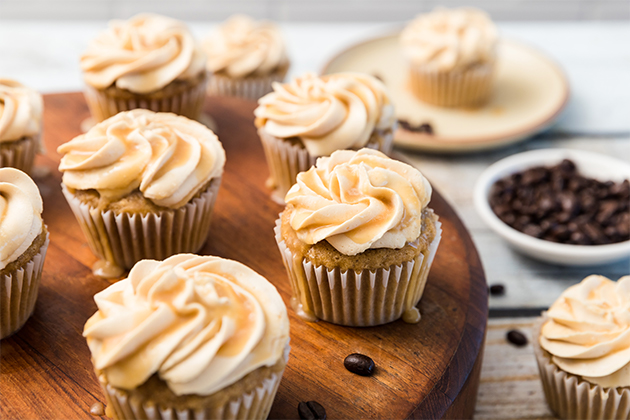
(517, 338)
(359, 364)
(497, 290)
(421, 128)
(311, 410)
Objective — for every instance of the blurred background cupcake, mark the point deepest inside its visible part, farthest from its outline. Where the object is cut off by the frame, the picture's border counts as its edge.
(313, 116)
(21, 111)
(149, 61)
(451, 55)
(357, 239)
(245, 57)
(24, 244)
(142, 185)
(203, 338)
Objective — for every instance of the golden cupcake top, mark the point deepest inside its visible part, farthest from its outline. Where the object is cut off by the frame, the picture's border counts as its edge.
(243, 47)
(448, 39)
(169, 158)
(327, 113)
(20, 111)
(21, 209)
(200, 323)
(588, 331)
(142, 54)
(357, 201)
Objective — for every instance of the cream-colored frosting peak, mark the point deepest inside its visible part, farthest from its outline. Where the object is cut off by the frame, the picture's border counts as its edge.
(167, 156)
(200, 322)
(20, 111)
(142, 54)
(359, 200)
(588, 332)
(446, 39)
(328, 113)
(243, 47)
(20, 214)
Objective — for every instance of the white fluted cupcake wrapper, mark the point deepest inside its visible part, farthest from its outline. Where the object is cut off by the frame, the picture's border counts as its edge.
(252, 88)
(360, 299)
(285, 160)
(571, 397)
(188, 103)
(470, 87)
(18, 293)
(126, 238)
(20, 154)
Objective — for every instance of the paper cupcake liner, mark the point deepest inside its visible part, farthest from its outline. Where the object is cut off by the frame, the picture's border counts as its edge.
(571, 397)
(251, 88)
(357, 299)
(104, 104)
(285, 160)
(18, 293)
(20, 154)
(254, 404)
(123, 239)
(470, 87)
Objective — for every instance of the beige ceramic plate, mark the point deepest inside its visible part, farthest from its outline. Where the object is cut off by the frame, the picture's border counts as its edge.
(530, 91)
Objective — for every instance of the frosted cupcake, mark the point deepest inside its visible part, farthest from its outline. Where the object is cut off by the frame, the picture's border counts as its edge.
(358, 239)
(314, 116)
(189, 337)
(245, 57)
(583, 351)
(20, 125)
(451, 55)
(142, 185)
(24, 241)
(149, 61)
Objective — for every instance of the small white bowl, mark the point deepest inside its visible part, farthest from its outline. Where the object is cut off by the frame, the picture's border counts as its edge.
(592, 165)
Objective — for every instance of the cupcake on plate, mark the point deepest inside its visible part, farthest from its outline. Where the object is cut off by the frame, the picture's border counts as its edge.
(583, 350)
(451, 55)
(24, 244)
(142, 185)
(358, 239)
(245, 57)
(20, 125)
(149, 61)
(189, 337)
(314, 116)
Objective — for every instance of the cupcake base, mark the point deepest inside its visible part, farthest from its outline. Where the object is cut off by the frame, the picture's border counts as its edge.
(252, 87)
(18, 291)
(20, 154)
(571, 397)
(122, 239)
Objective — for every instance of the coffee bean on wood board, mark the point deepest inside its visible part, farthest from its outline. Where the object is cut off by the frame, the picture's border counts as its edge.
(311, 410)
(517, 338)
(359, 364)
(497, 290)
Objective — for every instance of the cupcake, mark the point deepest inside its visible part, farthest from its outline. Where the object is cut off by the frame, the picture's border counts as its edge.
(451, 55)
(358, 239)
(189, 337)
(314, 116)
(245, 57)
(142, 185)
(149, 61)
(583, 350)
(20, 125)
(24, 244)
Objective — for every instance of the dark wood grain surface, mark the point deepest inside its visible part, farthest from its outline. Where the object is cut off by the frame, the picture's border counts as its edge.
(426, 370)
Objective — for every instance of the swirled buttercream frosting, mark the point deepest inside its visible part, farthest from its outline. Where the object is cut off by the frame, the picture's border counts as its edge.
(243, 47)
(20, 111)
(327, 113)
(169, 158)
(200, 322)
(446, 39)
(358, 200)
(20, 214)
(142, 54)
(588, 331)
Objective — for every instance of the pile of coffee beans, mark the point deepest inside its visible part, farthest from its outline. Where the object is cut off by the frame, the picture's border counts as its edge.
(558, 204)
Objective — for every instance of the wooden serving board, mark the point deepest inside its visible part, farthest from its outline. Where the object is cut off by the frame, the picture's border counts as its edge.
(427, 370)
